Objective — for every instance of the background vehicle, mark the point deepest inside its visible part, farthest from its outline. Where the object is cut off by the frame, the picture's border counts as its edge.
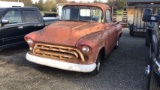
(153, 69)
(16, 22)
(79, 42)
(136, 25)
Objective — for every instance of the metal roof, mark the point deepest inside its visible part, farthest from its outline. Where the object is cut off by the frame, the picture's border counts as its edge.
(133, 2)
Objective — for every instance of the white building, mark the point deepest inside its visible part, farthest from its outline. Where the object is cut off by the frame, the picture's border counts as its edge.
(11, 4)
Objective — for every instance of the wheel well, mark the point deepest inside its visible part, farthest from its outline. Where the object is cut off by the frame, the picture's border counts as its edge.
(120, 34)
(102, 53)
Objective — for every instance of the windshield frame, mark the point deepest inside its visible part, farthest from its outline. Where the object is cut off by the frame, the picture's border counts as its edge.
(83, 7)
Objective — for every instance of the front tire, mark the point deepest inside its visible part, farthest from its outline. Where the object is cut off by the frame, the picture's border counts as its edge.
(147, 38)
(131, 32)
(117, 44)
(153, 85)
(98, 66)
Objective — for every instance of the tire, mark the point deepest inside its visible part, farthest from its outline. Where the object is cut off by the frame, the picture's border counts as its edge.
(117, 44)
(153, 85)
(147, 39)
(131, 29)
(98, 66)
(150, 51)
(131, 32)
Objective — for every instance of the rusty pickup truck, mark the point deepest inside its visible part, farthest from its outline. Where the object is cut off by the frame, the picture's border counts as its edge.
(79, 41)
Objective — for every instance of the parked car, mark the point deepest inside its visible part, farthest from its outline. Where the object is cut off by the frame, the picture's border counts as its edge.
(16, 22)
(79, 42)
(153, 69)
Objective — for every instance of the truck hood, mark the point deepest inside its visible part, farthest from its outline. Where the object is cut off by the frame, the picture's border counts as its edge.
(67, 32)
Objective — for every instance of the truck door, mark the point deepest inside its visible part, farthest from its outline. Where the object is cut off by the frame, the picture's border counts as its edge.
(112, 30)
(12, 32)
(33, 19)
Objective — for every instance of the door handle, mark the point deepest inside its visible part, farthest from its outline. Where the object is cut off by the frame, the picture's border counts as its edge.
(20, 27)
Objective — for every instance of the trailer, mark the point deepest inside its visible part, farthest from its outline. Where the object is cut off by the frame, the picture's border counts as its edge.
(4, 4)
(136, 25)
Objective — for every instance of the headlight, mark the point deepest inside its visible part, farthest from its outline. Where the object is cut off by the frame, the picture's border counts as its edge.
(29, 41)
(85, 49)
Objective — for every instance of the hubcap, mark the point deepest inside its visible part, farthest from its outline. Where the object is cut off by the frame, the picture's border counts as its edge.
(147, 70)
(98, 66)
(117, 43)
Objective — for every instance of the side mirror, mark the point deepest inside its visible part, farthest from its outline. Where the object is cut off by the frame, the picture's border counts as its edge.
(5, 21)
(147, 15)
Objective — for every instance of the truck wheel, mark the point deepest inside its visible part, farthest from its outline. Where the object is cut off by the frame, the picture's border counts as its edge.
(117, 44)
(131, 32)
(147, 39)
(98, 66)
(153, 85)
(150, 51)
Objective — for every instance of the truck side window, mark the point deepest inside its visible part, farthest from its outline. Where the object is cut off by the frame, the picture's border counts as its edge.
(13, 16)
(108, 16)
(30, 16)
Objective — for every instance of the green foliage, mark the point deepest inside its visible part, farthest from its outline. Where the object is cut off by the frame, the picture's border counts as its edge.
(49, 5)
(121, 3)
(118, 3)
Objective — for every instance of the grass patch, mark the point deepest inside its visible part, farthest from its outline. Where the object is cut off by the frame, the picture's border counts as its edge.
(119, 12)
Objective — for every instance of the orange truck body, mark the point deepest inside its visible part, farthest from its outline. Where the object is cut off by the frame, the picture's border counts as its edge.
(62, 42)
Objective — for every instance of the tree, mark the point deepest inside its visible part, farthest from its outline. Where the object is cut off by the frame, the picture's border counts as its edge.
(49, 5)
(61, 1)
(27, 2)
(39, 5)
(121, 3)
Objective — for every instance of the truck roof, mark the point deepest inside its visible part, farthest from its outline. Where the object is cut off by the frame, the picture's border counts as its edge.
(134, 2)
(100, 5)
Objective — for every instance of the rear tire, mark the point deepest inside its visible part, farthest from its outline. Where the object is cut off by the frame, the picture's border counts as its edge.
(98, 66)
(131, 32)
(153, 85)
(147, 39)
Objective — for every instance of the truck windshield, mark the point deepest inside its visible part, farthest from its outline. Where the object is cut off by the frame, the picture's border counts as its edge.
(80, 13)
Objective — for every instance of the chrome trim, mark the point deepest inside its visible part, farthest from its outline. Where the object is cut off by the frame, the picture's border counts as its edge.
(147, 70)
(57, 52)
(157, 64)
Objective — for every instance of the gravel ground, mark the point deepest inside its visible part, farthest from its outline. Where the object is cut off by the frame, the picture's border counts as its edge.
(122, 70)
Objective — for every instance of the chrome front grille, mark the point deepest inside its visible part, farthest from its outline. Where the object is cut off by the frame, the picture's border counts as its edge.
(57, 52)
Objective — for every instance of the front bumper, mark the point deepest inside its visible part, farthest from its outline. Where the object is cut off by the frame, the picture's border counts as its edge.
(60, 64)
